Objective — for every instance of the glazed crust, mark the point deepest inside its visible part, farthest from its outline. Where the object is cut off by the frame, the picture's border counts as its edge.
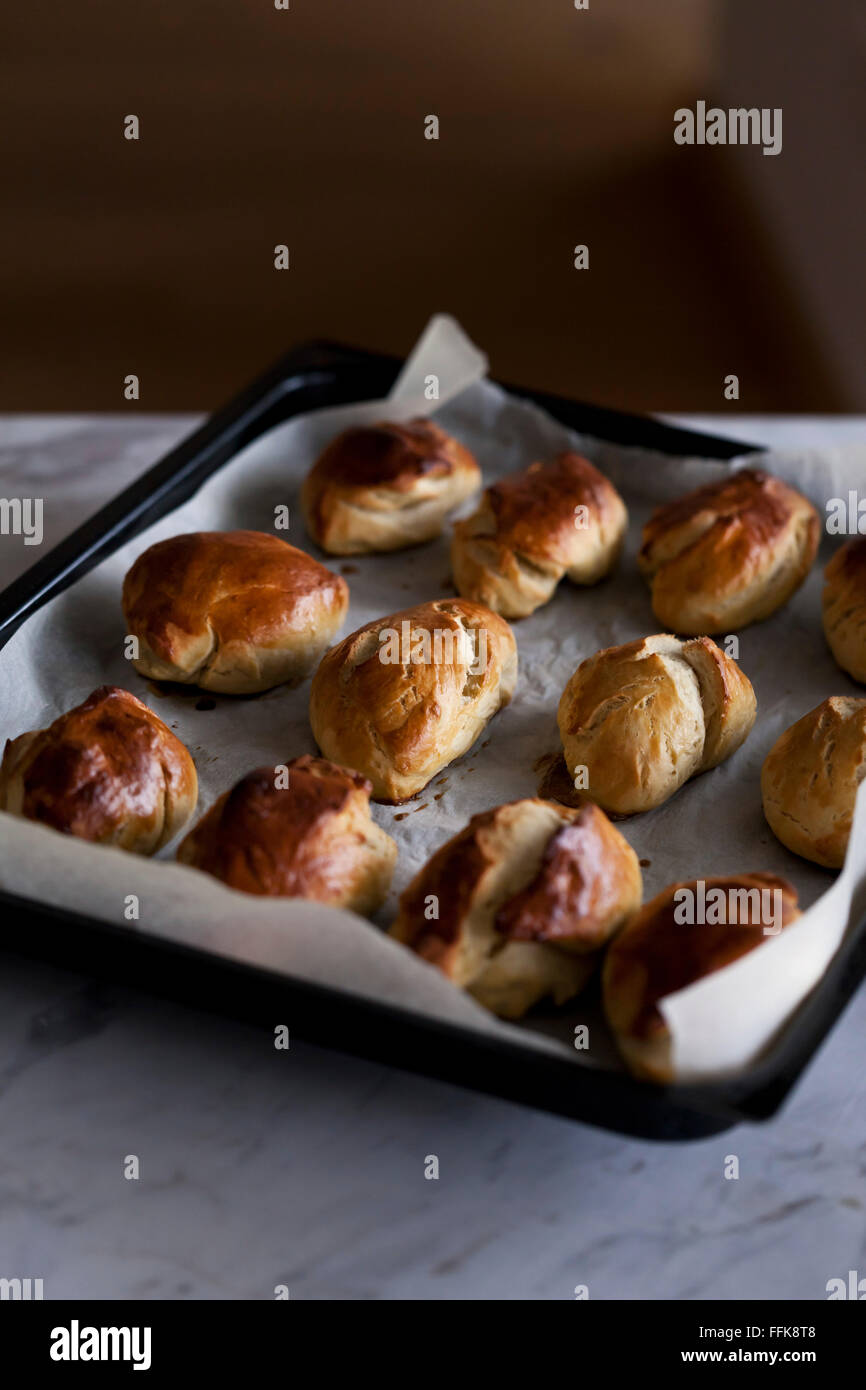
(527, 534)
(108, 771)
(810, 778)
(729, 554)
(526, 895)
(657, 955)
(231, 611)
(645, 717)
(386, 486)
(310, 838)
(845, 607)
(400, 721)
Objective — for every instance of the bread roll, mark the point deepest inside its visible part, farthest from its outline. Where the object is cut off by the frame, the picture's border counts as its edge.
(645, 717)
(107, 771)
(530, 529)
(231, 611)
(405, 695)
(518, 904)
(845, 607)
(302, 833)
(729, 554)
(810, 778)
(386, 486)
(665, 948)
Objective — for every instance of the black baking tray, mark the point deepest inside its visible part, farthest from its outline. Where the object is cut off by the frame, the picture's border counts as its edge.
(312, 376)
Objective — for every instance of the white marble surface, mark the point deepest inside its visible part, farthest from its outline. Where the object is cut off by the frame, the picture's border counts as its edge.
(306, 1168)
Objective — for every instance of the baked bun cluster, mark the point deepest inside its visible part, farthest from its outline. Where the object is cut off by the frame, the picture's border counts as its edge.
(235, 612)
(301, 831)
(845, 607)
(386, 486)
(729, 554)
(810, 778)
(661, 951)
(407, 694)
(643, 718)
(517, 905)
(531, 529)
(108, 771)
(522, 904)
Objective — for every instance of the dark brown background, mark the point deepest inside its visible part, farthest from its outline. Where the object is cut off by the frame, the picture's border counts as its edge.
(261, 126)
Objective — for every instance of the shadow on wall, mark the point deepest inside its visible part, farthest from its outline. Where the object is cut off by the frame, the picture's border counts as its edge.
(306, 127)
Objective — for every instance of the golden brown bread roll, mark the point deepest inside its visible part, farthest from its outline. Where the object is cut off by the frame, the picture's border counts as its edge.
(729, 554)
(307, 835)
(386, 486)
(405, 695)
(645, 717)
(517, 905)
(531, 529)
(810, 778)
(108, 771)
(231, 611)
(845, 607)
(665, 948)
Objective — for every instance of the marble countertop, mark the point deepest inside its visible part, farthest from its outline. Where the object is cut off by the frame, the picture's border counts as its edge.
(306, 1168)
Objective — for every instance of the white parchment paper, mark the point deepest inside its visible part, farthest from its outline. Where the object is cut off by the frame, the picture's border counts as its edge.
(713, 826)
